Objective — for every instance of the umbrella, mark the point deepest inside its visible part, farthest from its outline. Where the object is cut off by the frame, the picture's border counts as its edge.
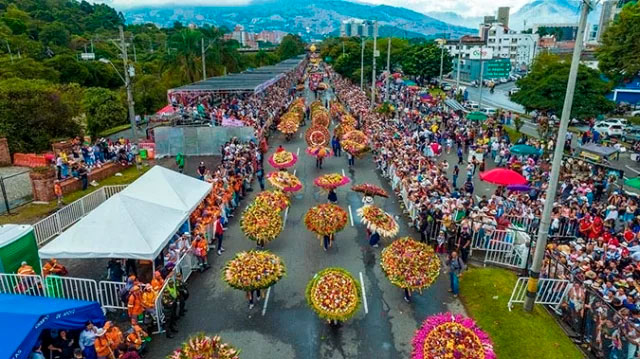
(409, 82)
(524, 150)
(633, 182)
(502, 177)
(519, 188)
(370, 190)
(476, 116)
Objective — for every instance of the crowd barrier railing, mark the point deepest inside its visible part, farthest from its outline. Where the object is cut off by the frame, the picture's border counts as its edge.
(550, 291)
(110, 295)
(54, 224)
(22, 284)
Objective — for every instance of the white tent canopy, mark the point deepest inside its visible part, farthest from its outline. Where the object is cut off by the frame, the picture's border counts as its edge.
(136, 223)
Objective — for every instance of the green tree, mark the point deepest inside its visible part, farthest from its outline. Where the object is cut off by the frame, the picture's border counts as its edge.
(185, 55)
(26, 68)
(619, 55)
(291, 45)
(424, 60)
(150, 94)
(545, 86)
(104, 109)
(55, 33)
(70, 69)
(32, 112)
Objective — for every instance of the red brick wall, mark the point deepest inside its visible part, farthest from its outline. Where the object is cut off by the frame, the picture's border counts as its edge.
(98, 174)
(5, 156)
(43, 189)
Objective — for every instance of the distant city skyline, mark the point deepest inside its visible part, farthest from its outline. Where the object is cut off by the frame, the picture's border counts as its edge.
(461, 7)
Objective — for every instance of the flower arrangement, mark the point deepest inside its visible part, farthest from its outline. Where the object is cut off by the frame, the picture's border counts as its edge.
(410, 264)
(253, 270)
(354, 148)
(334, 294)
(319, 151)
(331, 181)
(273, 199)
(284, 181)
(319, 115)
(317, 136)
(378, 220)
(448, 336)
(356, 136)
(370, 190)
(325, 219)
(283, 159)
(261, 223)
(343, 128)
(202, 346)
(288, 124)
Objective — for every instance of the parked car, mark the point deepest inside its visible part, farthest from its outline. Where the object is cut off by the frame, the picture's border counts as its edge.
(635, 113)
(631, 134)
(513, 91)
(446, 87)
(472, 106)
(609, 129)
(489, 110)
(615, 121)
(503, 80)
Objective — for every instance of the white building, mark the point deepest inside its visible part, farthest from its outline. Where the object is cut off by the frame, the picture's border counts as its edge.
(354, 28)
(520, 48)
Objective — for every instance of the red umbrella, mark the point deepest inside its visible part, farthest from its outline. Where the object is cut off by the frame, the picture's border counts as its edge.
(503, 177)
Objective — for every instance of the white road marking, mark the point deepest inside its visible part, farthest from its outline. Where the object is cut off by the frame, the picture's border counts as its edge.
(625, 177)
(298, 152)
(300, 134)
(286, 215)
(364, 295)
(294, 171)
(266, 300)
(350, 216)
(343, 172)
(633, 169)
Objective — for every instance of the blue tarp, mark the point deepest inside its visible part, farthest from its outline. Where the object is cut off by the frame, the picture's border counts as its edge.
(23, 318)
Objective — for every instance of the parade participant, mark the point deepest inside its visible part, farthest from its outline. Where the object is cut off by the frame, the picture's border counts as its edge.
(157, 281)
(87, 339)
(332, 197)
(134, 302)
(169, 303)
(25, 269)
(374, 239)
(253, 295)
(53, 267)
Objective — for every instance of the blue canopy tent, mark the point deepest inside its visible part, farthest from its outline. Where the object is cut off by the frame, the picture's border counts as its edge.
(23, 318)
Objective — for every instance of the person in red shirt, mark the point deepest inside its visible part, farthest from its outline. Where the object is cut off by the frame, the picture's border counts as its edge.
(219, 231)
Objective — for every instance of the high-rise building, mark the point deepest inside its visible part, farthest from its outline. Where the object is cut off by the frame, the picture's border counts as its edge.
(606, 16)
(503, 15)
(354, 28)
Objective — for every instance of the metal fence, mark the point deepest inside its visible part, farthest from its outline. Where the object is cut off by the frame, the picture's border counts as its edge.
(54, 224)
(110, 295)
(15, 190)
(185, 265)
(550, 291)
(22, 284)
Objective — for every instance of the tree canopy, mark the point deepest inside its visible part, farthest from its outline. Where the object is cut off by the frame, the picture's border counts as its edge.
(545, 86)
(619, 55)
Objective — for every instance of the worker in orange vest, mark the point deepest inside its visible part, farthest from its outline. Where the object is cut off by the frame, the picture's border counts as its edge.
(149, 299)
(26, 269)
(113, 334)
(57, 190)
(200, 248)
(134, 304)
(137, 336)
(157, 281)
(53, 267)
(101, 344)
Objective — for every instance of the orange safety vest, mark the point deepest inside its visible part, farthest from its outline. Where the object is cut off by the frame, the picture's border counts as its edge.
(57, 189)
(135, 305)
(26, 270)
(134, 339)
(115, 337)
(156, 284)
(102, 347)
(148, 300)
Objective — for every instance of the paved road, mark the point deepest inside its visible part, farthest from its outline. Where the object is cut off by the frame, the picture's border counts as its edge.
(289, 328)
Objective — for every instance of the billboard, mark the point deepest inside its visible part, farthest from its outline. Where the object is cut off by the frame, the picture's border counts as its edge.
(484, 53)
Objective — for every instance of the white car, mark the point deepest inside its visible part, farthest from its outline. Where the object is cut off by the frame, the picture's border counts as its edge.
(635, 113)
(471, 105)
(615, 121)
(609, 129)
(514, 91)
(489, 110)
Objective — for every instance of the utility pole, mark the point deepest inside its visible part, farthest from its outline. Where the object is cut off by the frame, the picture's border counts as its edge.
(459, 61)
(481, 79)
(441, 42)
(362, 64)
(128, 84)
(543, 231)
(204, 65)
(373, 71)
(386, 94)
(135, 56)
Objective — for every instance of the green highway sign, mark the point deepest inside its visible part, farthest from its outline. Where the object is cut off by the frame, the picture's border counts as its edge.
(497, 68)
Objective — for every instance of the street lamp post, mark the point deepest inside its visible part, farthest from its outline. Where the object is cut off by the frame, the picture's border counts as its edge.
(362, 64)
(441, 42)
(373, 71)
(388, 79)
(545, 221)
(459, 60)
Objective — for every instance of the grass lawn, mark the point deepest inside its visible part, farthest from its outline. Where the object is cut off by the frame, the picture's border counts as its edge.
(116, 129)
(515, 334)
(513, 134)
(31, 213)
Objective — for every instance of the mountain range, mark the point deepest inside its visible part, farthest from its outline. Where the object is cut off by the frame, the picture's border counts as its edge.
(532, 13)
(312, 19)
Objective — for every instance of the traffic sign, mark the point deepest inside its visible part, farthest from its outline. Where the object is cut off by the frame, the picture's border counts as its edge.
(497, 68)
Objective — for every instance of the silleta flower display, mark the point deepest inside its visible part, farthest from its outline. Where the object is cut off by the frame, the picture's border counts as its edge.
(325, 219)
(331, 181)
(253, 270)
(283, 159)
(370, 190)
(378, 220)
(284, 181)
(448, 336)
(334, 294)
(202, 346)
(273, 199)
(317, 136)
(410, 264)
(261, 223)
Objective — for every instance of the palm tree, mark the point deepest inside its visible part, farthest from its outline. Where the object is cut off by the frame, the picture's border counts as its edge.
(185, 54)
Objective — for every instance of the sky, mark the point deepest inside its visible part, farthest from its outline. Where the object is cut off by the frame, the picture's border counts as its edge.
(461, 7)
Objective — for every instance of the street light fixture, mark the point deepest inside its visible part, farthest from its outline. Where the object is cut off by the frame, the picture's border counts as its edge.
(107, 61)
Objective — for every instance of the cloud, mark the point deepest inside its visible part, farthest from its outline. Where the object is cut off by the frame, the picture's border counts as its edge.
(462, 7)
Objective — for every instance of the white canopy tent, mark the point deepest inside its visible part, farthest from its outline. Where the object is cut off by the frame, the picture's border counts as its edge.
(136, 223)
